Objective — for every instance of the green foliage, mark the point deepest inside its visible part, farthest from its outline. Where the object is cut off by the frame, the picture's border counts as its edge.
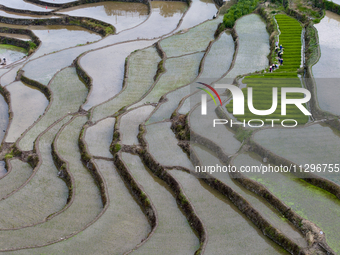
(331, 6)
(309, 11)
(285, 76)
(116, 147)
(243, 134)
(243, 7)
(9, 155)
(33, 46)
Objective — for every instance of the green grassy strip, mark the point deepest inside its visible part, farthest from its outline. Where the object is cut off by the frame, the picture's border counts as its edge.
(285, 76)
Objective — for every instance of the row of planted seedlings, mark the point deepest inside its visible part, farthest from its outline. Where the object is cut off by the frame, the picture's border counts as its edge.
(284, 76)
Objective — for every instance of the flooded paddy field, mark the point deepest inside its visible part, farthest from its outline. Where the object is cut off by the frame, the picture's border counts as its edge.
(23, 5)
(99, 137)
(253, 46)
(93, 151)
(305, 199)
(223, 235)
(120, 15)
(3, 117)
(326, 70)
(13, 178)
(315, 144)
(142, 69)
(267, 211)
(106, 68)
(27, 104)
(69, 92)
(42, 196)
(186, 70)
(195, 16)
(173, 227)
(164, 150)
(129, 124)
(11, 53)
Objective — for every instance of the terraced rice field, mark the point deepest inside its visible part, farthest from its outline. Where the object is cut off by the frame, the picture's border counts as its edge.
(164, 150)
(119, 14)
(27, 104)
(223, 236)
(290, 38)
(42, 196)
(12, 53)
(257, 203)
(186, 69)
(301, 197)
(253, 46)
(68, 94)
(129, 124)
(170, 218)
(16, 176)
(223, 137)
(326, 70)
(4, 117)
(262, 85)
(101, 135)
(322, 146)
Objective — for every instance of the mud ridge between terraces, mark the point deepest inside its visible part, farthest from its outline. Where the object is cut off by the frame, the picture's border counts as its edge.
(306, 227)
(135, 189)
(91, 24)
(184, 203)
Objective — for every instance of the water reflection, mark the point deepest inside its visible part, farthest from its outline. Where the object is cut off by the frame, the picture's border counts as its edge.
(121, 15)
(3, 170)
(168, 9)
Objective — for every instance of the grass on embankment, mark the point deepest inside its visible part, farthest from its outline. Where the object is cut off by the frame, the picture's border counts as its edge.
(285, 76)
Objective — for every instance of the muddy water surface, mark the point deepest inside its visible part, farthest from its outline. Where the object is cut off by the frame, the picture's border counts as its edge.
(28, 104)
(11, 53)
(327, 70)
(106, 67)
(305, 199)
(3, 117)
(195, 15)
(3, 170)
(23, 5)
(316, 144)
(17, 36)
(120, 15)
(24, 16)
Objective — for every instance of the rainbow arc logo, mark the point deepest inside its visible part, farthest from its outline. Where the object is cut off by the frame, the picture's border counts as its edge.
(204, 97)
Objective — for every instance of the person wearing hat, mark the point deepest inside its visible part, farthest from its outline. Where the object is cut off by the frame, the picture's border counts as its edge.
(281, 47)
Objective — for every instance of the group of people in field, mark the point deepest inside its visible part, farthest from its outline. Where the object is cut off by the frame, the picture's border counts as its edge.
(279, 52)
(3, 61)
